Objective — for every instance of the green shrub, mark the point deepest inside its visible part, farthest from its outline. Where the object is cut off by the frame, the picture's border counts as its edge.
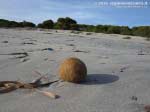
(74, 27)
(101, 28)
(113, 30)
(48, 24)
(14, 24)
(82, 27)
(66, 24)
(141, 31)
(26, 24)
(4, 23)
(90, 28)
(71, 24)
(125, 30)
(7, 23)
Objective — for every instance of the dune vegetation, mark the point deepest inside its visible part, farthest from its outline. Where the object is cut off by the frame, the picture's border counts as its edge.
(71, 24)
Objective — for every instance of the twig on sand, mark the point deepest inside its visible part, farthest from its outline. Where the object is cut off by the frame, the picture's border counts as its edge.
(124, 68)
(41, 76)
(49, 94)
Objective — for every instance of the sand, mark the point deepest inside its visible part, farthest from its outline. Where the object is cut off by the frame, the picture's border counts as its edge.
(118, 71)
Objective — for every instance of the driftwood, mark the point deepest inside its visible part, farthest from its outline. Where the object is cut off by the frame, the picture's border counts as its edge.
(9, 86)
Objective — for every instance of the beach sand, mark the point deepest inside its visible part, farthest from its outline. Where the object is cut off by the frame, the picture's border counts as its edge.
(118, 71)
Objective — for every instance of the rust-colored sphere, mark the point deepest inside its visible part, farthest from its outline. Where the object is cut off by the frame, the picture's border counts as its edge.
(73, 70)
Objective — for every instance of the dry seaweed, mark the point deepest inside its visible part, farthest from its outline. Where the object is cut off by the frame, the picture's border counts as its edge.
(9, 86)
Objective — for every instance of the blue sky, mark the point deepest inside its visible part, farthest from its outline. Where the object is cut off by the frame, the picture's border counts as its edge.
(84, 11)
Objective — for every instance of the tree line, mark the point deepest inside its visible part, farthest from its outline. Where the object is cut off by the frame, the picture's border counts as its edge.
(71, 24)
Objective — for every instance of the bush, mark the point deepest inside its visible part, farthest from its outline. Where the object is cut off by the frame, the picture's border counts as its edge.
(82, 27)
(27, 24)
(7, 23)
(70, 24)
(125, 30)
(48, 24)
(74, 27)
(141, 31)
(56, 26)
(114, 30)
(101, 28)
(90, 28)
(14, 24)
(4, 23)
(66, 24)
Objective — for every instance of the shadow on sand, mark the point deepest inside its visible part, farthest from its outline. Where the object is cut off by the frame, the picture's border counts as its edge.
(94, 79)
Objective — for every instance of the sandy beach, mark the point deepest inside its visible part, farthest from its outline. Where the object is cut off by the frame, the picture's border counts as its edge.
(118, 71)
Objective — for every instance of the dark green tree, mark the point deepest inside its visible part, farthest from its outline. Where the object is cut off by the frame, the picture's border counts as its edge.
(14, 24)
(27, 24)
(65, 23)
(4, 23)
(48, 24)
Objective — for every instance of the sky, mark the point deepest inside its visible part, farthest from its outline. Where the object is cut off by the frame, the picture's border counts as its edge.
(83, 11)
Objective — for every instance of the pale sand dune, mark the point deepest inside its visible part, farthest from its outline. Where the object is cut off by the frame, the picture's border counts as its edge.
(118, 78)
